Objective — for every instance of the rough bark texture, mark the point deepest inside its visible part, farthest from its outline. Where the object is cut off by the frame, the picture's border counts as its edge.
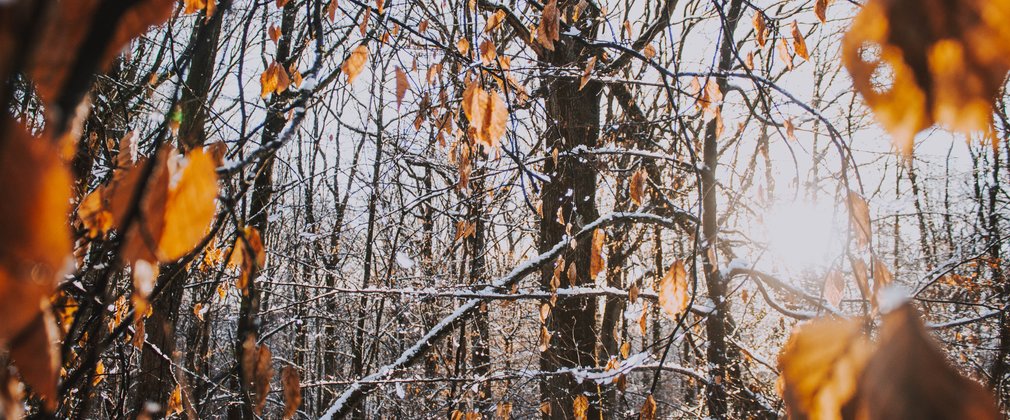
(575, 115)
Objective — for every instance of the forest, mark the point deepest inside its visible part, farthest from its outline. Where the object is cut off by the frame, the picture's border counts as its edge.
(498, 209)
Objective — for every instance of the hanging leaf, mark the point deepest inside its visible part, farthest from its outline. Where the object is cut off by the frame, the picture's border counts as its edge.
(821, 10)
(174, 402)
(944, 62)
(274, 80)
(799, 44)
(859, 218)
(355, 62)
(673, 294)
(909, 377)
(596, 262)
(648, 411)
(590, 64)
(862, 276)
(463, 46)
(291, 384)
(760, 28)
(257, 371)
(820, 366)
(248, 254)
(494, 21)
(35, 246)
(488, 55)
(190, 207)
(783, 50)
(636, 187)
(64, 32)
(834, 288)
(401, 86)
(36, 355)
(579, 407)
(649, 52)
(549, 30)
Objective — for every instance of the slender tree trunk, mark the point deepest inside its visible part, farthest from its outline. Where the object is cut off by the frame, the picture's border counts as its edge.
(155, 381)
(722, 359)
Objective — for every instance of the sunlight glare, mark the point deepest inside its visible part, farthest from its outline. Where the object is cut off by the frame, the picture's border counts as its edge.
(801, 235)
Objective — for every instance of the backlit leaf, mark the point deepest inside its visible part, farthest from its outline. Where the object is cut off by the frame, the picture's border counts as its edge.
(946, 61)
(354, 63)
(673, 293)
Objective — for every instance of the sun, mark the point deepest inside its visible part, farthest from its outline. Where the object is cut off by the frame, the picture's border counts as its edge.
(803, 235)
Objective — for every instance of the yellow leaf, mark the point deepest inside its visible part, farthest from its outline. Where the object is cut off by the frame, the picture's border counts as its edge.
(190, 208)
(355, 62)
(579, 407)
(673, 293)
(820, 367)
(946, 61)
(174, 402)
(274, 80)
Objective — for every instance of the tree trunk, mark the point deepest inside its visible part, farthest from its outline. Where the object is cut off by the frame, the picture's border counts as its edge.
(571, 192)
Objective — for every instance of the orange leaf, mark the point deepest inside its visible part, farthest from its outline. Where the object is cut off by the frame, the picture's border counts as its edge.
(859, 218)
(821, 10)
(820, 366)
(799, 44)
(355, 62)
(590, 64)
(636, 187)
(946, 61)
(494, 21)
(35, 245)
(36, 355)
(549, 30)
(401, 86)
(760, 28)
(596, 261)
(190, 207)
(673, 294)
(487, 52)
(291, 384)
